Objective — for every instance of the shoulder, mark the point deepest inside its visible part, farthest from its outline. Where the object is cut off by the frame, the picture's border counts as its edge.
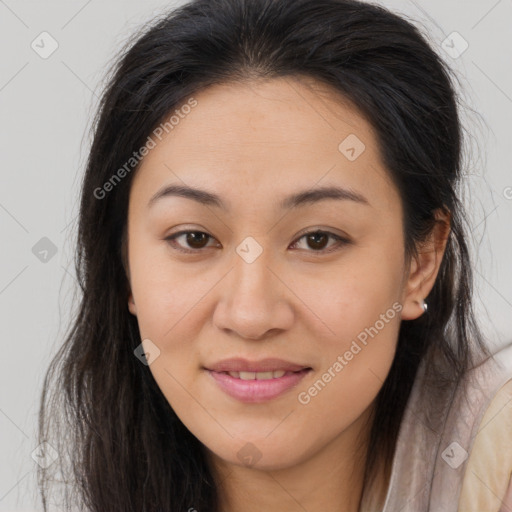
(453, 451)
(487, 484)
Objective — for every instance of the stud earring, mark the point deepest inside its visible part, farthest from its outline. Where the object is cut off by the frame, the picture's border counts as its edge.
(424, 306)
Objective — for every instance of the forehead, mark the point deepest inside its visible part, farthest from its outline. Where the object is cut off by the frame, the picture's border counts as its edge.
(266, 137)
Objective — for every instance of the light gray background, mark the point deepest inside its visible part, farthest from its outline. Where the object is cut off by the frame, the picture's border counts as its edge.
(46, 110)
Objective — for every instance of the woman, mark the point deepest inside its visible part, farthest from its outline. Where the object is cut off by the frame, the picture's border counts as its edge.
(276, 309)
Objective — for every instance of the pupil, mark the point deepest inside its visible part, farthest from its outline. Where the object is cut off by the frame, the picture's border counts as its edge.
(314, 238)
(193, 238)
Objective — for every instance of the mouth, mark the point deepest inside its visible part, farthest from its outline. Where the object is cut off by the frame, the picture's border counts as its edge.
(257, 387)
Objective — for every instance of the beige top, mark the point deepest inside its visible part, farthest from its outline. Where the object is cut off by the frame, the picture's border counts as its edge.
(452, 454)
(487, 483)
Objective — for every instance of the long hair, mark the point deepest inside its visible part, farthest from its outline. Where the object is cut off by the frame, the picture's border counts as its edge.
(121, 446)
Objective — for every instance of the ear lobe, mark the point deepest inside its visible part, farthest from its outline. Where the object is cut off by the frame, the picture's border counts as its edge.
(410, 309)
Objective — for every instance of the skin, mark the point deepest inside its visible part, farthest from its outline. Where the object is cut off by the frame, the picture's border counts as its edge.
(253, 144)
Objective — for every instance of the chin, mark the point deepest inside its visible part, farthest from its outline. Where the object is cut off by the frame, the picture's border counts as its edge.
(261, 454)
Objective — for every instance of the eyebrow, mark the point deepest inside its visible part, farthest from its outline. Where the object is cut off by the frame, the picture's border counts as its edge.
(295, 200)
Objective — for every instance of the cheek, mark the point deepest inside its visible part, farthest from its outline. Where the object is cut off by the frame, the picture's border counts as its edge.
(167, 307)
(357, 347)
(164, 292)
(354, 295)
(360, 310)
(356, 356)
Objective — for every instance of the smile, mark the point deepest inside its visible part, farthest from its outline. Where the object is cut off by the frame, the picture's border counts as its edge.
(258, 375)
(254, 387)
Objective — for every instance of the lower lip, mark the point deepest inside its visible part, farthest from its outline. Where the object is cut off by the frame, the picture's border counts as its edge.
(257, 390)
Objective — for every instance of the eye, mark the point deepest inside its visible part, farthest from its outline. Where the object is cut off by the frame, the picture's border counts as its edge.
(318, 239)
(194, 239)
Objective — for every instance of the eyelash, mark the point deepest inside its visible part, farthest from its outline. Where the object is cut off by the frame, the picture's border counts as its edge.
(341, 241)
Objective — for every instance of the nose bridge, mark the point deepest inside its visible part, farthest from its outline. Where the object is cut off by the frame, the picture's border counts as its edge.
(252, 300)
(251, 275)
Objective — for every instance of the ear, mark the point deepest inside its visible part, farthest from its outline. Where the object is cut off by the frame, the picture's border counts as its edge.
(425, 267)
(131, 305)
(124, 260)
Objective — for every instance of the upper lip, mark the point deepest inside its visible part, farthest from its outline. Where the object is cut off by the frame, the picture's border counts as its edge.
(264, 365)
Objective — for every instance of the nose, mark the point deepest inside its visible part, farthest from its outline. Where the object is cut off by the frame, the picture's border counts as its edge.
(254, 300)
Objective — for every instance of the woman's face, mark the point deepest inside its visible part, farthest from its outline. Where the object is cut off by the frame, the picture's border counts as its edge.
(248, 282)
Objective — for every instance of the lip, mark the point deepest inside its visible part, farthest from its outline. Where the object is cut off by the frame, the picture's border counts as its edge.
(264, 365)
(254, 391)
